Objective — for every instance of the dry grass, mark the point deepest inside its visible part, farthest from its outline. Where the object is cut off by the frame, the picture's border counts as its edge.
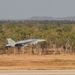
(37, 62)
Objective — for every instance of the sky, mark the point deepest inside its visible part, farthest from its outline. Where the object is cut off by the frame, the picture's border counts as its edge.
(24, 9)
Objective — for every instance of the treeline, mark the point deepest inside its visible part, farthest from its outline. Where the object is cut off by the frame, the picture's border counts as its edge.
(61, 34)
(38, 21)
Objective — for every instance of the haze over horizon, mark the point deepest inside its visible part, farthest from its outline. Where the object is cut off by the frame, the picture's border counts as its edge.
(25, 9)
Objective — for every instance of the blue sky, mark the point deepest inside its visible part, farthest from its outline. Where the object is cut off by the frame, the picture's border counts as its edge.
(24, 9)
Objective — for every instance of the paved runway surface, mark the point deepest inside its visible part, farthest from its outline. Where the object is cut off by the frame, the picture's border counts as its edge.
(37, 72)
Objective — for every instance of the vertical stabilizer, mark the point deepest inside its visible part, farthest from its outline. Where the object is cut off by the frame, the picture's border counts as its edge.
(10, 41)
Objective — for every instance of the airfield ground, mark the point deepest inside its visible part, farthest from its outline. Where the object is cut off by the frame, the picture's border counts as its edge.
(37, 62)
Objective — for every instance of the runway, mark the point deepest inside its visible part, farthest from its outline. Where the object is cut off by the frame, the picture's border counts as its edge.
(37, 72)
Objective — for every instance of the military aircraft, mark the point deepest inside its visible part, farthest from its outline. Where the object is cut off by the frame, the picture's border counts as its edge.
(12, 43)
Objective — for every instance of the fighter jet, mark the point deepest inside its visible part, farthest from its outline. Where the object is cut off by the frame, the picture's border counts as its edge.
(12, 43)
